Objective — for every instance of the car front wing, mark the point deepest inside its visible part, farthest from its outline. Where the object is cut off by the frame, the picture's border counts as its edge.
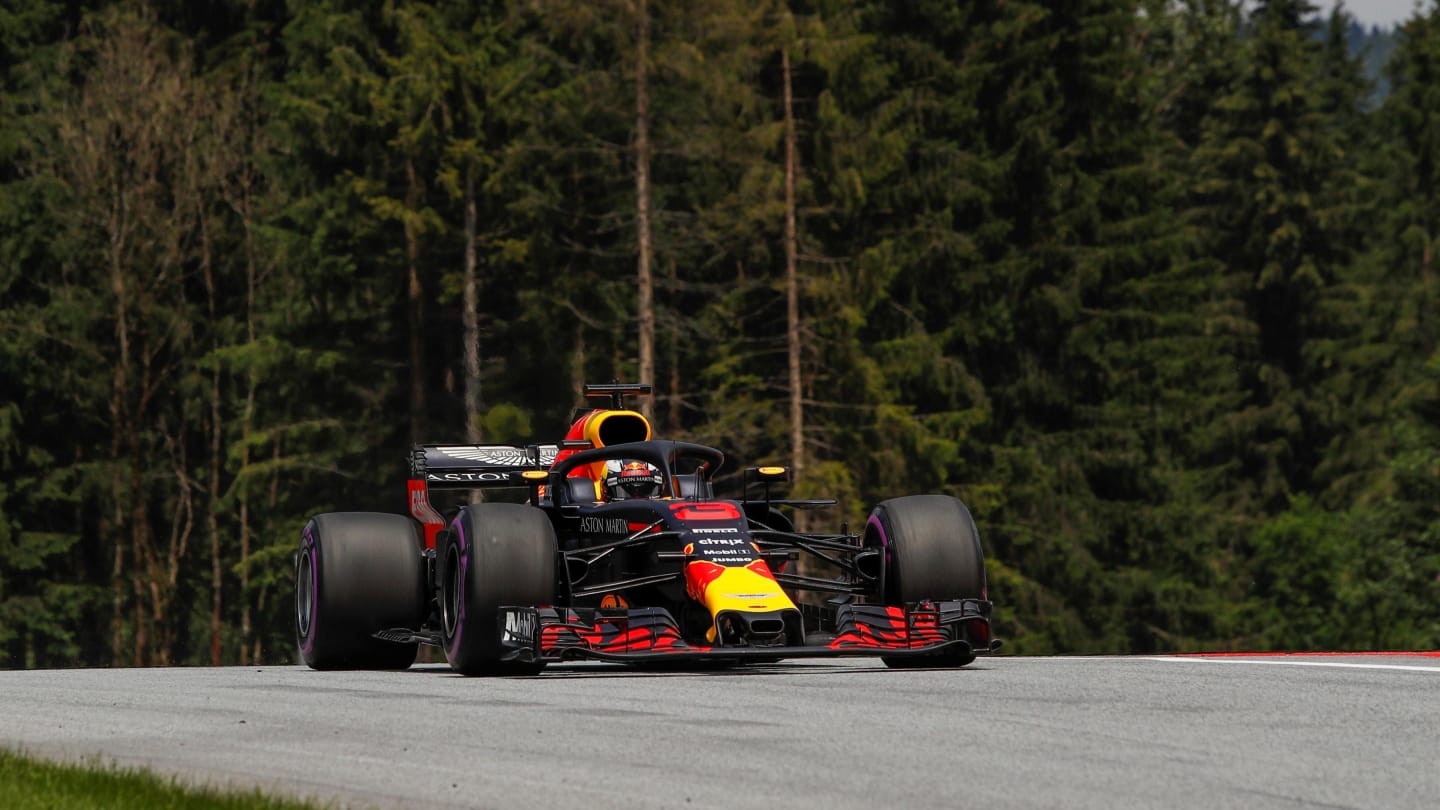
(651, 635)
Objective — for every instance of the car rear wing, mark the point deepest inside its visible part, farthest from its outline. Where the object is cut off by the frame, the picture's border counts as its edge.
(467, 466)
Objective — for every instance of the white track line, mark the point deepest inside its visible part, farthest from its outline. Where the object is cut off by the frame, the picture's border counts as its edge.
(1435, 670)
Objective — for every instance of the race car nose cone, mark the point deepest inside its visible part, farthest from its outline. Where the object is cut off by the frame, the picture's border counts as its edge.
(759, 629)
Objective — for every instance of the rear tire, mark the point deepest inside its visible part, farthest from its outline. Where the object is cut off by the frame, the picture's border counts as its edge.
(358, 573)
(931, 551)
(494, 554)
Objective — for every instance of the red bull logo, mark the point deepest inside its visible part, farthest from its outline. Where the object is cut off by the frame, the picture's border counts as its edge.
(748, 587)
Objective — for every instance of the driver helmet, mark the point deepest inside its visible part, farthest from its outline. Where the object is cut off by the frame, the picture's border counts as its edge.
(633, 479)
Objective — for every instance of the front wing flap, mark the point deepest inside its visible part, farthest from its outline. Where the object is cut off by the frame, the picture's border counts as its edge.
(648, 635)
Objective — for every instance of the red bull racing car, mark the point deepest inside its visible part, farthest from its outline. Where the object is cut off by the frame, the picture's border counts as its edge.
(622, 552)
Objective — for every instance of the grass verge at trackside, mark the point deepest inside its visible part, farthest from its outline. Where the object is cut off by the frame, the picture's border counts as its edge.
(27, 783)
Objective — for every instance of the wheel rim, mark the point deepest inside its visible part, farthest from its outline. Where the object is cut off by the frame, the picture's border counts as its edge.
(450, 597)
(304, 594)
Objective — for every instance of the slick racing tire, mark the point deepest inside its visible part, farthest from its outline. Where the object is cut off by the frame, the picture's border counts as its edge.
(358, 573)
(931, 551)
(494, 554)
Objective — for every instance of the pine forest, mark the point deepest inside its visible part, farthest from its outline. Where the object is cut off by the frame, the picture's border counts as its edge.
(1150, 284)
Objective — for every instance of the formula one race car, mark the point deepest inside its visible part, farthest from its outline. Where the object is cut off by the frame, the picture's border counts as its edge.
(623, 553)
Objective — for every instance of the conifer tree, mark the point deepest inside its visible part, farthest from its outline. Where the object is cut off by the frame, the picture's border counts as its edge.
(1266, 166)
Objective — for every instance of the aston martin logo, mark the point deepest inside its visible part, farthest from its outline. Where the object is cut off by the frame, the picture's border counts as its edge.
(499, 455)
(596, 525)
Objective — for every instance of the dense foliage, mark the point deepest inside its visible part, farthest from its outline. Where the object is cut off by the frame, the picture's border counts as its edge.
(1150, 284)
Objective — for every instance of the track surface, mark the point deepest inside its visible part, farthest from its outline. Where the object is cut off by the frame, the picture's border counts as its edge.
(1272, 732)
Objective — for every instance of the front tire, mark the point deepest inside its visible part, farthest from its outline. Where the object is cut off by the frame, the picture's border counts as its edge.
(358, 573)
(495, 554)
(931, 551)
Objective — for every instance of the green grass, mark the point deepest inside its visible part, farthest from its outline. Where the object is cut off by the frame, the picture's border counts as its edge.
(27, 783)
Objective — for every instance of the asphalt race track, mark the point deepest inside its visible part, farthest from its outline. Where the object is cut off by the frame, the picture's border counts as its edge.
(1222, 732)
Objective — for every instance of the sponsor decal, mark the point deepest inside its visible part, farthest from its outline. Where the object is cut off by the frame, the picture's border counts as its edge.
(727, 551)
(519, 629)
(468, 476)
(421, 510)
(501, 455)
(420, 506)
(703, 530)
(601, 525)
(613, 600)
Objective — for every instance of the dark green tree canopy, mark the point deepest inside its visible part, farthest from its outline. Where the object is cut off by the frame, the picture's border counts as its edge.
(1151, 285)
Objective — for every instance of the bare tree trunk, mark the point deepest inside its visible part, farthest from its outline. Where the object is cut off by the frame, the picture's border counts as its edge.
(117, 581)
(471, 318)
(181, 528)
(212, 511)
(646, 303)
(244, 516)
(123, 441)
(245, 524)
(119, 386)
(673, 420)
(140, 550)
(257, 654)
(416, 308)
(792, 285)
(212, 526)
(246, 424)
(147, 561)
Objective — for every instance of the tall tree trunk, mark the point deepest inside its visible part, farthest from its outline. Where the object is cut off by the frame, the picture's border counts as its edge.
(119, 385)
(471, 318)
(120, 420)
(181, 528)
(416, 305)
(212, 510)
(646, 283)
(147, 565)
(673, 421)
(246, 423)
(792, 284)
(139, 550)
(256, 654)
(245, 427)
(117, 575)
